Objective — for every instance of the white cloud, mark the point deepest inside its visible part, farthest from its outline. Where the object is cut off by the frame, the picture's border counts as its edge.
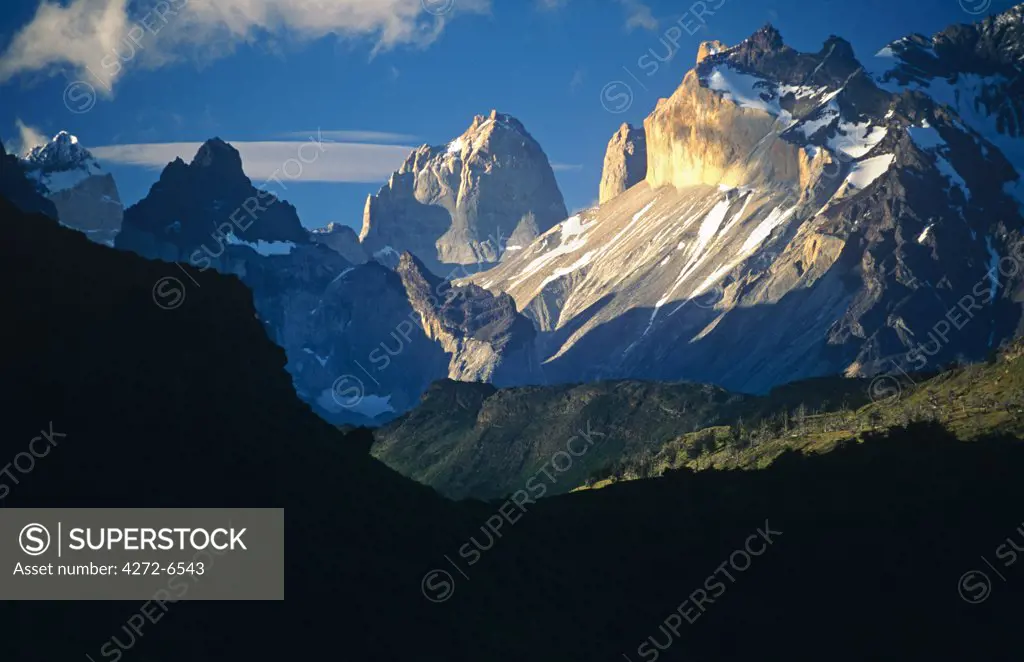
(28, 138)
(101, 39)
(562, 167)
(639, 15)
(262, 161)
(79, 34)
(341, 135)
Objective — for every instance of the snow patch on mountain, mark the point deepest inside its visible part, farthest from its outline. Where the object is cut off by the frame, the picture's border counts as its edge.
(746, 91)
(456, 146)
(565, 271)
(864, 173)
(930, 140)
(265, 248)
(857, 140)
(61, 164)
(753, 91)
(926, 136)
(62, 180)
(764, 230)
(571, 238)
(371, 406)
(827, 116)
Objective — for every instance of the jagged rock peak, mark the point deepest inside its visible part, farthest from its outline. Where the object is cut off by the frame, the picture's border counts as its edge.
(483, 130)
(486, 337)
(462, 202)
(217, 153)
(625, 162)
(342, 239)
(63, 152)
(709, 48)
(500, 121)
(837, 47)
(627, 129)
(768, 38)
(993, 47)
(417, 278)
(189, 202)
(85, 197)
(1012, 17)
(332, 228)
(765, 55)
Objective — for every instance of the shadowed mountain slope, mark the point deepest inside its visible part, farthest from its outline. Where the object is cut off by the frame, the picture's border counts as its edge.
(193, 407)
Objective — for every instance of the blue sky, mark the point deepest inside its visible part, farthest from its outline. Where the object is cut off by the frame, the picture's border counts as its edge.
(379, 76)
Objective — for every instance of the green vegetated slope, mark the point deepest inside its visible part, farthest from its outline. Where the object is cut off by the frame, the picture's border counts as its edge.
(970, 401)
(476, 441)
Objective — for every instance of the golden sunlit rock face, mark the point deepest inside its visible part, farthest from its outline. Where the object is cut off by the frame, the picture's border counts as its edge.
(789, 206)
(697, 136)
(708, 48)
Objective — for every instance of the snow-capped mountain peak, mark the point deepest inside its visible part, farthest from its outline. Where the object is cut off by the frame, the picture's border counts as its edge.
(799, 208)
(85, 195)
(62, 153)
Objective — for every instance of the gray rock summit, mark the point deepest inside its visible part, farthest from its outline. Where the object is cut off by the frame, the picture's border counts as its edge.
(341, 239)
(464, 202)
(625, 162)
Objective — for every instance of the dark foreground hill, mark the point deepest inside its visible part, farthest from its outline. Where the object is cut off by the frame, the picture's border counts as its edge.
(192, 407)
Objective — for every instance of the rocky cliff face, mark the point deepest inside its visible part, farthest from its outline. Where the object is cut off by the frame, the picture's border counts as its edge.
(355, 347)
(973, 70)
(797, 219)
(363, 342)
(625, 162)
(724, 124)
(463, 202)
(483, 333)
(341, 239)
(84, 195)
(345, 324)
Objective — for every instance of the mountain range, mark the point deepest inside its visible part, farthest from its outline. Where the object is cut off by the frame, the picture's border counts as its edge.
(824, 221)
(765, 400)
(781, 216)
